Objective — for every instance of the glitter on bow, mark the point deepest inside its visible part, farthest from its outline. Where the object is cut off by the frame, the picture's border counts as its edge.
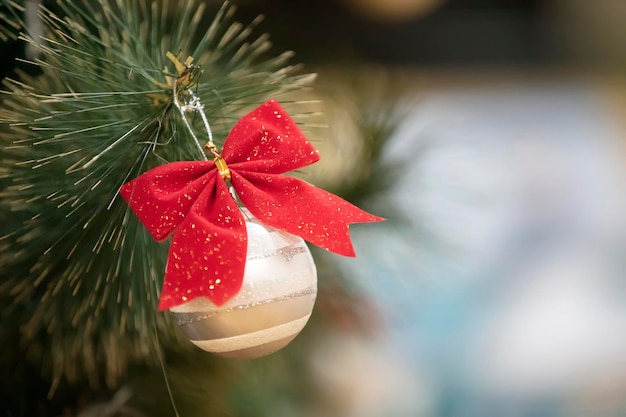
(190, 201)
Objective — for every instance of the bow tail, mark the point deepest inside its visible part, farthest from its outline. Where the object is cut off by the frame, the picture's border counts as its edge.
(302, 209)
(207, 255)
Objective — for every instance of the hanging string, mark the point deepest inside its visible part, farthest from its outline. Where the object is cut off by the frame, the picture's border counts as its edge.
(167, 381)
(162, 360)
(193, 103)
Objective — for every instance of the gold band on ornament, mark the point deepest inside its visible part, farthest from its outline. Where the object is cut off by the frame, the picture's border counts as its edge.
(219, 324)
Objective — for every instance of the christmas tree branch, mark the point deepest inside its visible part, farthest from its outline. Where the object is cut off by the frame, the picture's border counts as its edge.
(79, 272)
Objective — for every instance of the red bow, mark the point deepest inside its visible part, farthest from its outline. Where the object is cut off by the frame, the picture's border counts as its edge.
(190, 199)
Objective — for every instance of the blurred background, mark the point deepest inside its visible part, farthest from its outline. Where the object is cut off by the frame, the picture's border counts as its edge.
(499, 279)
(497, 286)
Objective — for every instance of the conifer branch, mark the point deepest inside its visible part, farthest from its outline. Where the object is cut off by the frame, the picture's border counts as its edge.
(78, 270)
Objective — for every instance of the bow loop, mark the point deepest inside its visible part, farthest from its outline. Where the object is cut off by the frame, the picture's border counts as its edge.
(162, 196)
(268, 140)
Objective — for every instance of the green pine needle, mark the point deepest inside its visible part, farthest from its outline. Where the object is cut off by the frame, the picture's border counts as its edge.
(78, 271)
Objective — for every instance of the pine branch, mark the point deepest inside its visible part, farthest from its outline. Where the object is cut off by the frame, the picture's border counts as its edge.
(78, 270)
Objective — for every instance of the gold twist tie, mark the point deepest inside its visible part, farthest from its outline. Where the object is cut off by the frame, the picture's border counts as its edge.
(222, 168)
(220, 163)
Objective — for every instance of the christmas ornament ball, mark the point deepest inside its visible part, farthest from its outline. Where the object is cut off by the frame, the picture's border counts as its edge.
(274, 304)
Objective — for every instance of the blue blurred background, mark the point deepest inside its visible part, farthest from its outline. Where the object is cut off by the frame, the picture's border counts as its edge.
(504, 293)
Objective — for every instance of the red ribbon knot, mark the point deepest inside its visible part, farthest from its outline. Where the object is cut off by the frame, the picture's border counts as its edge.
(190, 201)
